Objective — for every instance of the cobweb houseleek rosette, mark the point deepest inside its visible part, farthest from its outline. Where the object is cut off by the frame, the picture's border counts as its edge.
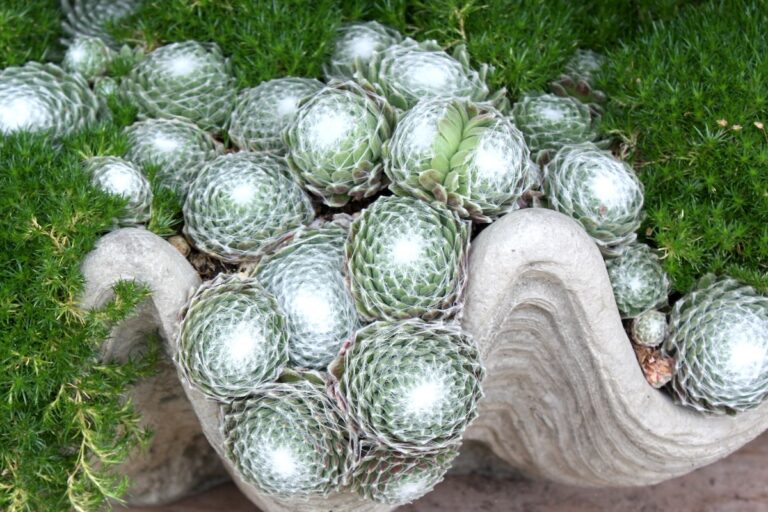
(410, 71)
(466, 155)
(649, 329)
(93, 17)
(639, 282)
(241, 204)
(387, 476)
(88, 56)
(356, 44)
(550, 122)
(262, 112)
(599, 191)
(718, 336)
(306, 276)
(410, 386)
(122, 178)
(187, 80)
(335, 142)
(39, 97)
(406, 258)
(289, 440)
(233, 338)
(177, 149)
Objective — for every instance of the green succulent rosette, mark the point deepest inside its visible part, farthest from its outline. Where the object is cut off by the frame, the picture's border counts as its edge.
(410, 386)
(232, 339)
(718, 336)
(410, 71)
(289, 440)
(261, 113)
(649, 329)
(105, 86)
(121, 178)
(177, 149)
(578, 80)
(306, 275)
(88, 56)
(187, 80)
(550, 122)
(599, 191)
(466, 155)
(406, 258)
(44, 98)
(638, 280)
(355, 46)
(93, 17)
(335, 142)
(387, 476)
(242, 204)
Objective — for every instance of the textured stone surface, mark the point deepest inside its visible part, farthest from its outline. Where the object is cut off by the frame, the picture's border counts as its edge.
(565, 397)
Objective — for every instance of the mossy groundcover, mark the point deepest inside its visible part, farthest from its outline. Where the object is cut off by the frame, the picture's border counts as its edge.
(688, 102)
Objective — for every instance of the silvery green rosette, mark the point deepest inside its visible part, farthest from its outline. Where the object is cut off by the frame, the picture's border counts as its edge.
(638, 280)
(406, 258)
(466, 155)
(335, 142)
(92, 17)
(187, 80)
(356, 44)
(550, 122)
(262, 112)
(649, 329)
(242, 204)
(122, 178)
(410, 386)
(578, 80)
(43, 97)
(177, 149)
(88, 56)
(306, 276)
(718, 335)
(232, 339)
(410, 71)
(599, 191)
(289, 440)
(387, 476)
(105, 86)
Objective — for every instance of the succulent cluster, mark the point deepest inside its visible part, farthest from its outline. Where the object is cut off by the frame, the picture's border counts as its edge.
(639, 283)
(120, 177)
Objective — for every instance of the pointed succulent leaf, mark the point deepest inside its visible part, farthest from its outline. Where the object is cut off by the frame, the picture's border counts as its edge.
(639, 283)
(649, 329)
(93, 17)
(355, 46)
(122, 178)
(88, 56)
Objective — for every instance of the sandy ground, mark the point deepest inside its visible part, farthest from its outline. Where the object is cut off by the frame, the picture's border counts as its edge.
(738, 483)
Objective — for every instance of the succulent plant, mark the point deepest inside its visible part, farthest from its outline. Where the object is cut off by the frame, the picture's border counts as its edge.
(92, 17)
(466, 155)
(178, 149)
(262, 112)
(649, 329)
(410, 71)
(233, 338)
(718, 335)
(43, 97)
(578, 81)
(355, 46)
(406, 258)
(386, 476)
(410, 386)
(120, 177)
(288, 440)
(105, 86)
(187, 80)
(242, 204)
(306, 275)
(550, 122)
(88, 56)
(335, 142)
(639, 283)
(599, 191)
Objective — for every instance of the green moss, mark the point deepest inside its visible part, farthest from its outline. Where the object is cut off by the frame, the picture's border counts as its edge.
(29, 30)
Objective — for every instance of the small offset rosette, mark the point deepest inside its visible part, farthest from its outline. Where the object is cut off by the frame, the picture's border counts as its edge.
(718, 336)
(599, 191)
(355, 46)
(243, 204)
(233, 338)
(88, 56)
(406, 258)
(122, 178)
(466, 155)
(289, 440)
(639, 282)
(578, 80)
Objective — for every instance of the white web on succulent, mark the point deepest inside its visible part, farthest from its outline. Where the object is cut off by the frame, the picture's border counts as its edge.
(77, 53)
(287, 106)
(23, 109)
(608, 185)
(184, 65)
(361, 46)
(499, 163)
(330, 124)
(314, 306)
(414, 138)
(166, 142)
(243, 344)
(120, 179)
(422, 399)
(409, 488)
(739, 341)
(418, 75)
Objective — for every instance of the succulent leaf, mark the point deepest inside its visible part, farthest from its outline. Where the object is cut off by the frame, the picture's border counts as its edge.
(649, 329)
(355, 46)
(638, 280)
(122, 178)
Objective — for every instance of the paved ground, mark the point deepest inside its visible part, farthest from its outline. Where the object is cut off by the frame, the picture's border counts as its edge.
(736, 484)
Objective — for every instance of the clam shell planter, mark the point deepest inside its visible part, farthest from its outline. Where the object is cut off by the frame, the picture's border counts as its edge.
(565, 397)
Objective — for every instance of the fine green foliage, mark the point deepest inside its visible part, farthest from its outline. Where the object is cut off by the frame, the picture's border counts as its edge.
(29, 30)
(689, 98)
